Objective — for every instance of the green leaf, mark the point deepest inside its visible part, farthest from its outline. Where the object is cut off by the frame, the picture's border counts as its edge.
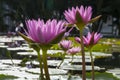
(95, 19)
(32, 44)
(25, 37)
(102, 76)
(80, 23)
(78, 18)
(57, 55)
(101, 47)
(7, 77)
(117, 42)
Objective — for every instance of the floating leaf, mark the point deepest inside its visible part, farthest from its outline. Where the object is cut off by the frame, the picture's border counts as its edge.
(101, 47)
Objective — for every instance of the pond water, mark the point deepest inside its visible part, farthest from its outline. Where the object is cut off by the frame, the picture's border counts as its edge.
(98, 76)
(24, 73)
(18, 72)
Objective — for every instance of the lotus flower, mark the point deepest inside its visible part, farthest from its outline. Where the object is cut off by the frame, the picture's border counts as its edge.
(90, 39)
(45, 33)
(73, 50)
(65, 44)
(84, 14)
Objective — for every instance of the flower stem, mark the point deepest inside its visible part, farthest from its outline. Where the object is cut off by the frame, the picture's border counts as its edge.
(45, 64)
(9, 55)
(92, 63)
(83, 57)
(41, 76)
(72, 59)
(61, 61)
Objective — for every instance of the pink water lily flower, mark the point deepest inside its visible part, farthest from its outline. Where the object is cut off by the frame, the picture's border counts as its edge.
(73, 50)
(84, 12)
(90, 40)
(44, 33)
(65, 44)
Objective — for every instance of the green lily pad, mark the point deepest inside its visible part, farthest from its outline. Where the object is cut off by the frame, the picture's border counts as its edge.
(7, 77)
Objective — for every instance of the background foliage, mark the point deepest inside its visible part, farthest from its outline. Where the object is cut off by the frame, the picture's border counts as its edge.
(20, 10)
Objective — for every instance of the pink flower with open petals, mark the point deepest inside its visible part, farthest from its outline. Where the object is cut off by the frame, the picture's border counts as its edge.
(65, 44)
(90, 40)
(84, 12)
(73, 50)
(44, 33)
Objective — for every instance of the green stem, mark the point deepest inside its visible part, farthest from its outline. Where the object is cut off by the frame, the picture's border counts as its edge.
(72, 59)
(92, 63)
(41, 76)
(61, 61)
(83, 57)
(45, 64)
(9, 55)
